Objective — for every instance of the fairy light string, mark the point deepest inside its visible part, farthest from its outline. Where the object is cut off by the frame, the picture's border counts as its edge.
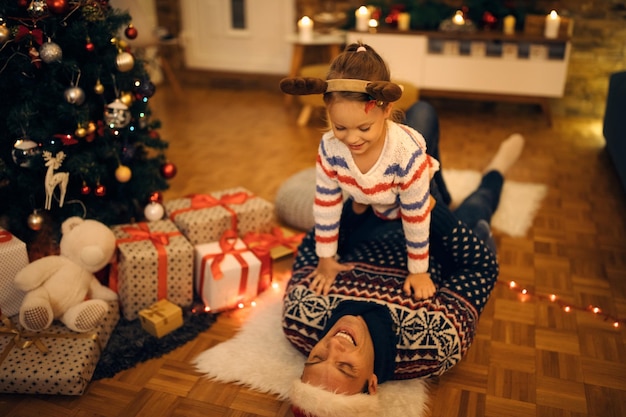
(615, 321)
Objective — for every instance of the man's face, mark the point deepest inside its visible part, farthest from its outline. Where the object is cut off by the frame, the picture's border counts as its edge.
(343, 361)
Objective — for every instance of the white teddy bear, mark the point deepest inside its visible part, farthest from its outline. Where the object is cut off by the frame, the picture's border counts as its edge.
(63, 286)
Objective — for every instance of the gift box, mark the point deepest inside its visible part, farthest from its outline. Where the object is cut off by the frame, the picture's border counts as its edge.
(53, 361)
(203, 218)
(228, 273)
(13, 257)
(154, 262)
(161, 318)
(280, 243)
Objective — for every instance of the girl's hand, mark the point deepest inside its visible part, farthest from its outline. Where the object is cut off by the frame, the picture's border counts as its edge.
(420, 285)
(325, 274)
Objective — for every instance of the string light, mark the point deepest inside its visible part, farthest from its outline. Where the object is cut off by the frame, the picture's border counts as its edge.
(525, 294)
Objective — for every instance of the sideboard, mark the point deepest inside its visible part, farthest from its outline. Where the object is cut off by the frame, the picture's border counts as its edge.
(477, 65)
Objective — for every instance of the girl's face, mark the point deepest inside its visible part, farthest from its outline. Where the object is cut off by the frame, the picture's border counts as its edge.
(359, 125)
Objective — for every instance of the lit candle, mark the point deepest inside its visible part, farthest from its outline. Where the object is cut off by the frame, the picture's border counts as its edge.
(362, 19)
(305, 29)
(509, 25)
(373, 24)
(458, 18)
(553, 21)
(404, 21)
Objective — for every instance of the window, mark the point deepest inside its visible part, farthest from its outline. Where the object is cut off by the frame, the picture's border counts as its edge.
(238, 14)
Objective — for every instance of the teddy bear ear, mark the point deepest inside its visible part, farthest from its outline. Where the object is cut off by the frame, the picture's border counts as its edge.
(70, 223)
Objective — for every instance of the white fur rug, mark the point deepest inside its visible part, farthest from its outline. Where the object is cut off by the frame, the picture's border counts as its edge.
(261, 358)
(518, 204)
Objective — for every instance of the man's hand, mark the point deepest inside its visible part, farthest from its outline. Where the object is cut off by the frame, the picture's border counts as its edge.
(325, 274)
(420, 285)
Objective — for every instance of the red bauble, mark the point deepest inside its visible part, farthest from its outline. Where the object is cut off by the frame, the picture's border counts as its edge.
(168, 170)
(130, 32)
(90, 47)
(153, 134)
(57, 6)
(156, 197)
(100, 190)
(85, 189)
(22, 3)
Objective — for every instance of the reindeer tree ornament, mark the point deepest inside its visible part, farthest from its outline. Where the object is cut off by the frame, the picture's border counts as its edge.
(53, 179)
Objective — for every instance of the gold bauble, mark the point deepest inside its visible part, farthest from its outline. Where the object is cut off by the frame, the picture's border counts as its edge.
(126, 98)
(35, 221)
(125, 61)
(98, 88)
(123, 173)
(91, 127)
(5, 34)
(80, 132)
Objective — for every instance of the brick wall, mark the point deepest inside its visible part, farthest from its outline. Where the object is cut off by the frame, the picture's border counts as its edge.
(598, 45)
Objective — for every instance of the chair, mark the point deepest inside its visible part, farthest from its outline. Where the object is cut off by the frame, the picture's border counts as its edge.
(310, 102)
(613, 129)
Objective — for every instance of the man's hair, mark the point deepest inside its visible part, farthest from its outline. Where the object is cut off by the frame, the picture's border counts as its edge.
(311, 401)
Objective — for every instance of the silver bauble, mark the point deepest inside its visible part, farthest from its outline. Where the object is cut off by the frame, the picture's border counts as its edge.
(37, 8)
(25, 152)
(50, 52)
(75, 95)
(117, 115)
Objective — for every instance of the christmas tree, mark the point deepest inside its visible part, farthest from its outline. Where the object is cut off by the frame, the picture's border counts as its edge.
(76, 133)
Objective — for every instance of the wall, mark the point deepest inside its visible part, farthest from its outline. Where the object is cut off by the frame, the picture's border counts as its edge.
(598, 46)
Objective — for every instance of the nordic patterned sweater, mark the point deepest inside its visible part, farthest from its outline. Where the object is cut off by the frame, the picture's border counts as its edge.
(397, 186)
(431, 335)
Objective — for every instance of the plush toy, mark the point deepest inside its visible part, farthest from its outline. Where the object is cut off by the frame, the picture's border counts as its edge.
(63, 286)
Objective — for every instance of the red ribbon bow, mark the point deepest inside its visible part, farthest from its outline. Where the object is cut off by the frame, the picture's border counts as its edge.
(271, 240)
(201, 201)
(35, 34)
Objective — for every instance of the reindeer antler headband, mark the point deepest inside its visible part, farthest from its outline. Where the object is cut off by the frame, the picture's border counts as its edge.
(379, 90)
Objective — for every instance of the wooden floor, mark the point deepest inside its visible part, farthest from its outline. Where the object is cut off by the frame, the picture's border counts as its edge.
(530, 357)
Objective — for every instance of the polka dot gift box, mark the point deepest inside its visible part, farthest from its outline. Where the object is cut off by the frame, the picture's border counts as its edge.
(203, 218)
(55, 361)
(13, 257)
(154, 262)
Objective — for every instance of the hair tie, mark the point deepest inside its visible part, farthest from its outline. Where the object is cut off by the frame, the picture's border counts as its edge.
(361, 49)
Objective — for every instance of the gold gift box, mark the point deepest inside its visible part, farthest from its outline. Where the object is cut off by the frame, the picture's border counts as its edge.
(161, 318)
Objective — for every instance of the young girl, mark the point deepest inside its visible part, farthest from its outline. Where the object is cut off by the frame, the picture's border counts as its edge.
(380, 164)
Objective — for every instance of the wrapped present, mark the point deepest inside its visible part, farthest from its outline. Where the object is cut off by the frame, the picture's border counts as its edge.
(155, 261)
(161, 318)
(13, 257)
(280, 242)
(53, 361)
(228, 273)
(203, 218)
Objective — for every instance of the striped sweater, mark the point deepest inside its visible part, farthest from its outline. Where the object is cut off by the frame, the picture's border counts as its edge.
(397, 186)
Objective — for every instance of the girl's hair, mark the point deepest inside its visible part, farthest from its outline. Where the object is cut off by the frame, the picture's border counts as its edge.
(360, 62)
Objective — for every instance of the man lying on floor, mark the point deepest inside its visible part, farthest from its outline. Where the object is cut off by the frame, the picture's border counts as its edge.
(367, 330)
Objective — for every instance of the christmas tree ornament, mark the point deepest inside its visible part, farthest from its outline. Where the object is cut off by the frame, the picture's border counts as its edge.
(5, 33)
(55, 179)
(131, 32)
(126, 98)
(80, 132)
(123, 174)
(99, 87)
(37, 8)
(66, 139)
(89, 45)
(57, 6)
(154, 211)
(100, 190)
(117, 115)
(168, 170)
(50, 52)
(125, 61)
(25, 153)
(85, 189)
(75, 95)
(144, 88)
(35, 221)
(156, 197)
